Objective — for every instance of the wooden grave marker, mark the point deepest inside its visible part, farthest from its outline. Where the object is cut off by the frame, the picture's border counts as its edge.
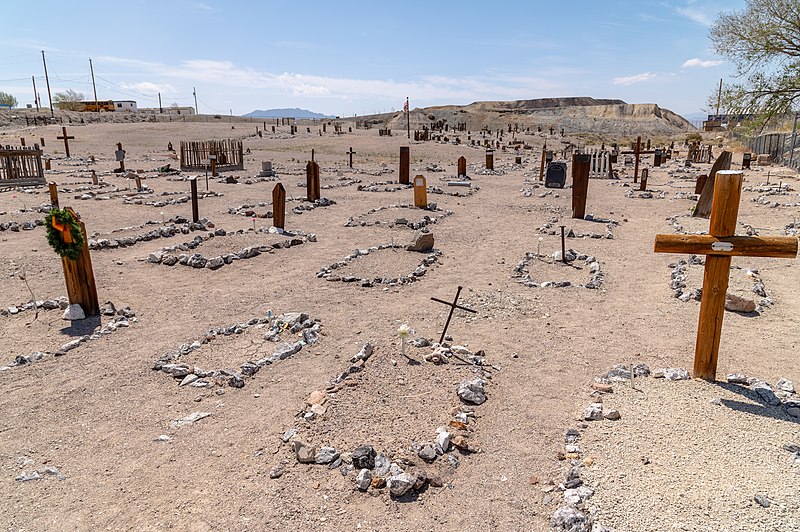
(462, 167)
(420, 192)
(490, 159)
(541, 166)
(703, 207)
(637, 152)
(120, 156)
(405, 164)
(719, 245)
(195, 205)
(312, 181)
(645, 175)
(701, 182)
(279, 206)
(580, 183)
(66, 138)
(79, 276)
(746, 158)
(351, 153)
(53, 194)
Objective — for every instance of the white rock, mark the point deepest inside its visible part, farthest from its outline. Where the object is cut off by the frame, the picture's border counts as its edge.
(364, 479)
(73, 312)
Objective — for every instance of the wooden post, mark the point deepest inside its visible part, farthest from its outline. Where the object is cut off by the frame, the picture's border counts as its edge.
(79, 277)
(719, 246)
(462, 167)
(657, 158)
(420, 192)
(701, 182)
(120, 154)
(66, 138)
(278, 206)
(41, 141)
(53, 195)
(138, 180)
(213, 159)
(636, 153)
(490, 159)
(312, 181)
(47, 164)
(746, 161)
(94, 177)
(22, 141)
(351, 153)
(195, 206)
(645, 174)
(541, 167)
(580, 184)
(405, 164)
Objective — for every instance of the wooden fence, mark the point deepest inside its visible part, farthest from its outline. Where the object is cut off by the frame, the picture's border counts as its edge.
(21, 166)
(228, 152)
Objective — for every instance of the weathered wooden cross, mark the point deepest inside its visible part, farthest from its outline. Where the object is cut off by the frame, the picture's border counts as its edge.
(719, 245)
(79, 276)
(351, 153)
(636, 153)
(66, 138)
(453, 306)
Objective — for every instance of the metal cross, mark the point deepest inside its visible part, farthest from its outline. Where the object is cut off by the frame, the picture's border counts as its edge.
(453, 306)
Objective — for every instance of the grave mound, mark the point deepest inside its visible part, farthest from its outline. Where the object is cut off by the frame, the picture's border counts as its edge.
(744, 283)
(539, 271)
(386, 264)
(257, 343)
(400, 215)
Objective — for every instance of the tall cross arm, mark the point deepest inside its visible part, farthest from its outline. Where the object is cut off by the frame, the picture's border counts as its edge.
(449, 304)
(729, 246)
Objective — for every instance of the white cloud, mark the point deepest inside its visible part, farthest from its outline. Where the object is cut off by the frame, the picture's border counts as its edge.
(695, 15)
(203, 6)
(700, 63)
(146, 86)
(636, 78)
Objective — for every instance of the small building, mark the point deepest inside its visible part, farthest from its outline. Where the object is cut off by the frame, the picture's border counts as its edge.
(171, 110)
(125, 106)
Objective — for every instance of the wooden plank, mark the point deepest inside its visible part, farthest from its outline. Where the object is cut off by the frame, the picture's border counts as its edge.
(712, 311)
(703, 207)
(580, 184)
(740, 246)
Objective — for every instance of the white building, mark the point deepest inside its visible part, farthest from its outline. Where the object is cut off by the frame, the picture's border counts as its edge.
(125, 106)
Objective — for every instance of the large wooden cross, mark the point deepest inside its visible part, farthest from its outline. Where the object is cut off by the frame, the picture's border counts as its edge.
(66, 138)
(351, 153)
(719, 245)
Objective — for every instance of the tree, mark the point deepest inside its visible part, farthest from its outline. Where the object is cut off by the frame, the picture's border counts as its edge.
(763, 43)
(68, 100)
(7, 99)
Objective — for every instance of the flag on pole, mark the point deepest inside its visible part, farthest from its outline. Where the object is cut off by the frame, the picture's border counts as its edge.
(405, 106)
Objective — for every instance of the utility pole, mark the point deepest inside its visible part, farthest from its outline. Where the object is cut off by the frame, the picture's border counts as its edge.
(94, 87)
(194, 93)
(408, 118)
(160, 109)
(47, 80)
(719, 98)
(35, 94)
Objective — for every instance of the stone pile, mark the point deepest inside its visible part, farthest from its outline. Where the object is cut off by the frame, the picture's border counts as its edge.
(329, 272)
(551, 228)
(783, 394)
(383, 186)
(523, 276)
(290, 323)
(645, 195)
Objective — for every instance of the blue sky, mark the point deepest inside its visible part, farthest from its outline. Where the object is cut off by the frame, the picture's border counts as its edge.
(359, 57)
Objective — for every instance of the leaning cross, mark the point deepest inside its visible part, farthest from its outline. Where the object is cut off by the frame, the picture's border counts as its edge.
(66, 138)
(454, 305)
(719, 246)
(351, 153)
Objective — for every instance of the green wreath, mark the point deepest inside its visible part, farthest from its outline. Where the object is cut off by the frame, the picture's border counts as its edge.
(57, 223)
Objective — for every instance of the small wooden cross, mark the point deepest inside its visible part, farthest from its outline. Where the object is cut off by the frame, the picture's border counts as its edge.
(351, 153)
(120, 156)
(453, 306)
(66, 138)
(637, 152)
(719, 245)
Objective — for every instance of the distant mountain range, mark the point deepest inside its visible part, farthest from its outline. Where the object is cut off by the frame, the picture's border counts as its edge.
(284, 113)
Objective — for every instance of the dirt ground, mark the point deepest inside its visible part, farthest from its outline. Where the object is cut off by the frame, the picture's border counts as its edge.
(96, 413)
